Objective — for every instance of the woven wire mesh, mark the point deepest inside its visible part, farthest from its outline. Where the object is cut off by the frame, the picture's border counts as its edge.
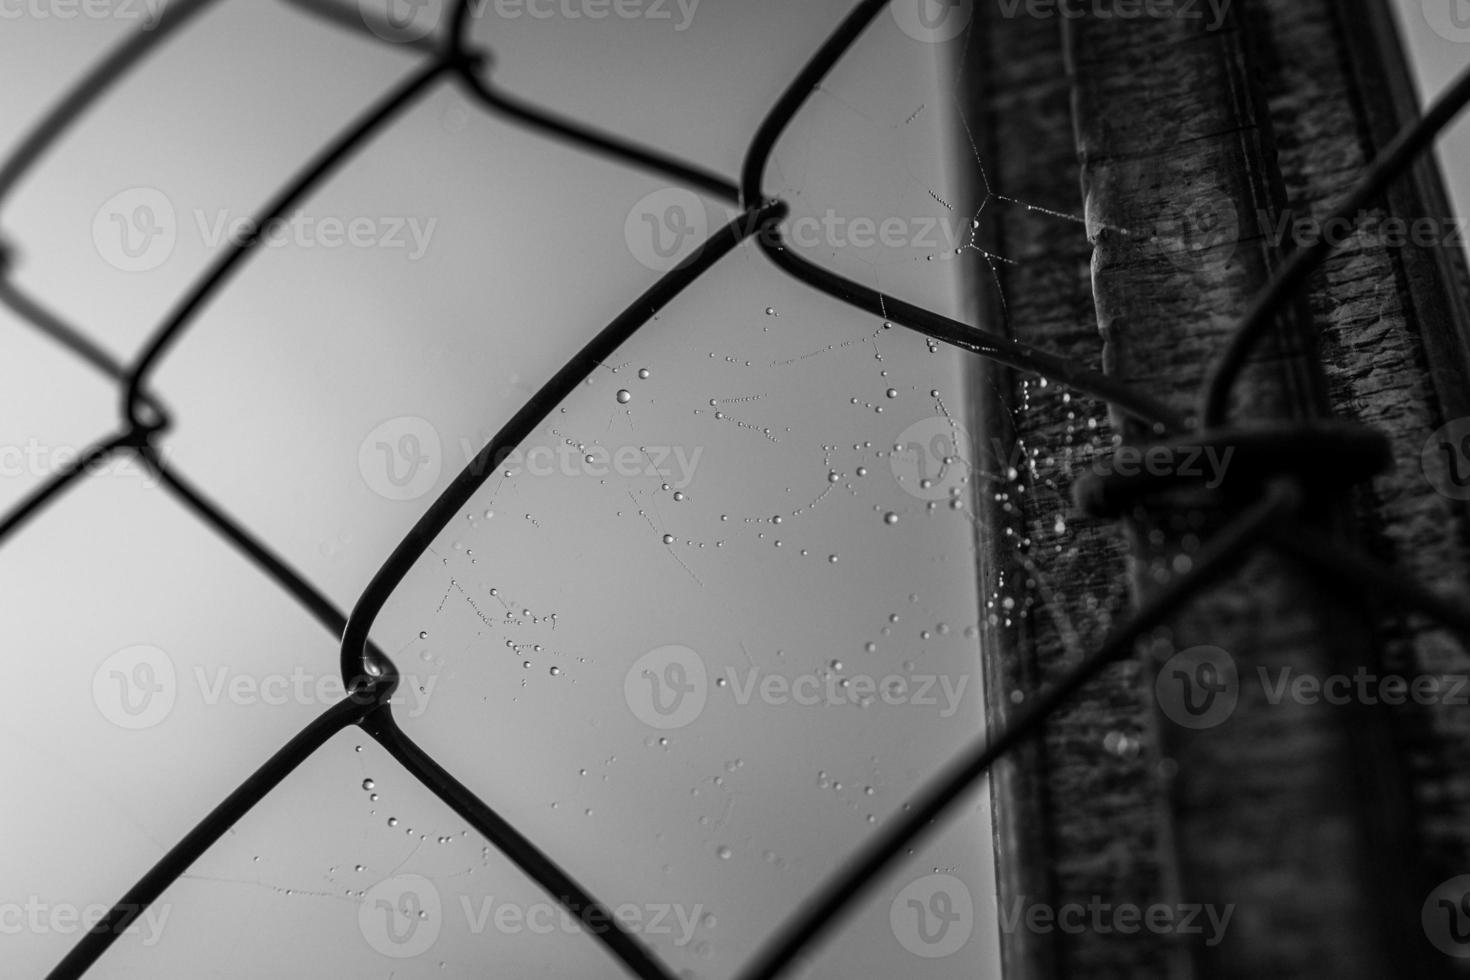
(1275, 459)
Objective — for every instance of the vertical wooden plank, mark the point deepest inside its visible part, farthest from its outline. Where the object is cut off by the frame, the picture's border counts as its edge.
(1076, 815)
(1276, 807)
(1322, 827)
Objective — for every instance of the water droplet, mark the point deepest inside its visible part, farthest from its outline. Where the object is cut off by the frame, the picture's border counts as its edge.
(392, 821)
(723, 852)
(644, 373)
(423, 634)
(624, 396)
(890, 518)
(555, 672)
(668, 539)
(368, 784)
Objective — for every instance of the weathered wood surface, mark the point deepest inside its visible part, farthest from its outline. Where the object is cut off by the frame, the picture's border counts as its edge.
(1324, 826)
(1074, 817)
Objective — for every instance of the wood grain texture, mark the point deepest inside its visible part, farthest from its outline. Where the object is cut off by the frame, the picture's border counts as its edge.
(1322, 826)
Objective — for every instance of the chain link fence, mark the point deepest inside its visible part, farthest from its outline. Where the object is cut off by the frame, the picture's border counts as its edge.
(1268, 485)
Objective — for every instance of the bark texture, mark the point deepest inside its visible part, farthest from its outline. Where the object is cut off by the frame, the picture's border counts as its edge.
(1322, 827)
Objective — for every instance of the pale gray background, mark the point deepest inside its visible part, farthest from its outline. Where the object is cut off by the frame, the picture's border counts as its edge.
(289, 370)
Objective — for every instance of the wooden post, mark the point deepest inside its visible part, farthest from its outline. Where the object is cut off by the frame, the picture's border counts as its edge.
(1323, 828)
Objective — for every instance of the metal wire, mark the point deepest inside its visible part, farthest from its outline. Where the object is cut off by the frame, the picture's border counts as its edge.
(1266, 505)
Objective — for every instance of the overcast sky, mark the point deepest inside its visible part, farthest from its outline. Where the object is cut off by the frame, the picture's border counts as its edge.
(341, 381)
